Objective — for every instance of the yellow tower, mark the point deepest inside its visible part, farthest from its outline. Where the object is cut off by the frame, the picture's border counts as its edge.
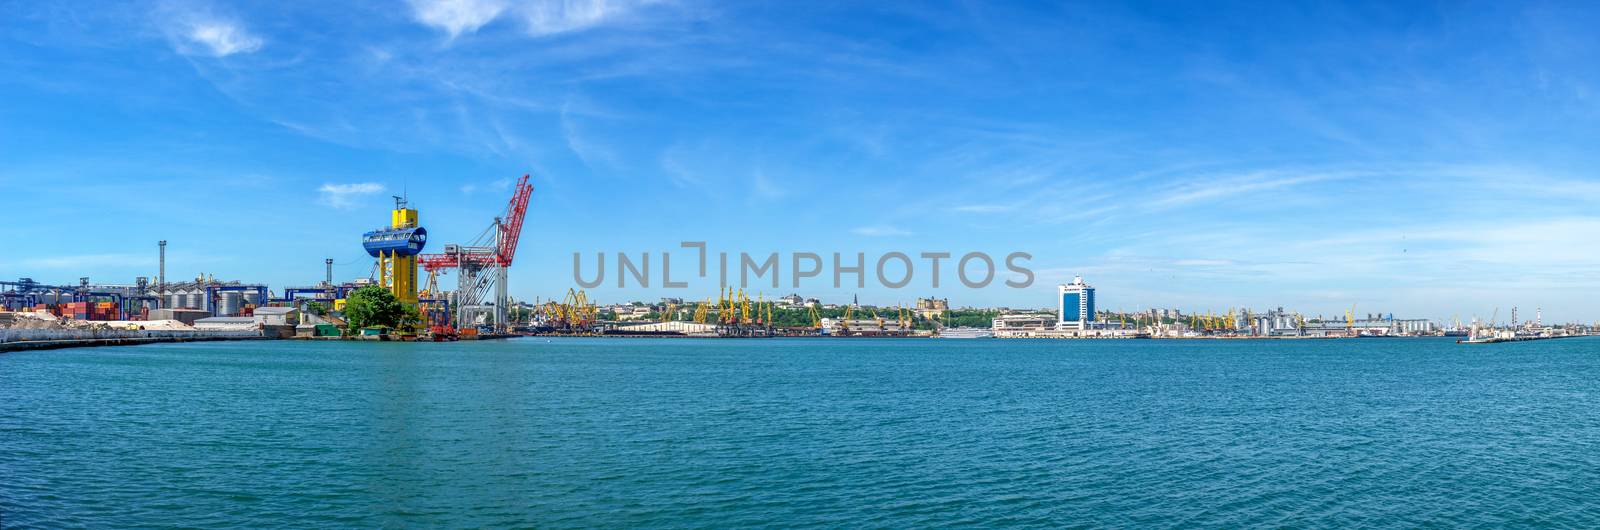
(396, 249)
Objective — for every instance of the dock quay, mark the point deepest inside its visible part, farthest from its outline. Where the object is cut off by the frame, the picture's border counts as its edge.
(1521, 338)
(56, 344)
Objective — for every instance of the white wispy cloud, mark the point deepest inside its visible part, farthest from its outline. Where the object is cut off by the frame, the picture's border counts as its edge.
(764, 188)
(224, 38)
(984, 208)
(673, 165)
(540, 17)
(455, 17)
(879, 231)
(344, 195)
(590, 151)
(559, 16)
(1201, 262)
(1201, 190)
(198, 29)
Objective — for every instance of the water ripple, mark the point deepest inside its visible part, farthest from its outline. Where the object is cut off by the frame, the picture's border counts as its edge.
(803, 433)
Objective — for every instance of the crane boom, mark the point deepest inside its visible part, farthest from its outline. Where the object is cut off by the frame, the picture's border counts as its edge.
(511, 229)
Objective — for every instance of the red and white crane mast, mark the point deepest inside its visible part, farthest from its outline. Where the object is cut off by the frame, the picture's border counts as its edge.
(483, 264)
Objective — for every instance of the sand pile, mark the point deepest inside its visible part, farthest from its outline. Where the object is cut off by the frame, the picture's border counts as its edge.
(33, 320)
(43, 320)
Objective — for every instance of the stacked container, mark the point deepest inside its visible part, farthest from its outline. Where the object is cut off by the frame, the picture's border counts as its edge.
(103, 311)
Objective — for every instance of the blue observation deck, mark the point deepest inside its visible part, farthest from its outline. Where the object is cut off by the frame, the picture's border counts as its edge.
(402, 242)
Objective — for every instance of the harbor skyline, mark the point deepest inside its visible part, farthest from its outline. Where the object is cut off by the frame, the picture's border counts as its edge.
(1429, 161)
(683, 263)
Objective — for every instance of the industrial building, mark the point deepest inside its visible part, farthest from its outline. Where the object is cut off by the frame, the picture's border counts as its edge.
(210, 295)
(1373, 326)
(1273, 323)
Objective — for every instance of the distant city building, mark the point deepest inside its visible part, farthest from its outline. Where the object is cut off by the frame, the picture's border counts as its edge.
(932, 307)
(793, 300)
(1076, 304)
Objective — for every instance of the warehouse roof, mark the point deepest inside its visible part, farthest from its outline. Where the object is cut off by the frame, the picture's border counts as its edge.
(226, 320)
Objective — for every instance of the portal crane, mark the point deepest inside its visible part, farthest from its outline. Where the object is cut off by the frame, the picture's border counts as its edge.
(484, 263)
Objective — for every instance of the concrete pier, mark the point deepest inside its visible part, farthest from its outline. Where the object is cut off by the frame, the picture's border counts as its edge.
(57, 344)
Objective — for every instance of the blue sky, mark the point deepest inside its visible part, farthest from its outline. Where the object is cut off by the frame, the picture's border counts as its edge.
(1425, 159)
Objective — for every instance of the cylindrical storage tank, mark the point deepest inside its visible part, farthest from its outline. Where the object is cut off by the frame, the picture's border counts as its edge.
(230, 304)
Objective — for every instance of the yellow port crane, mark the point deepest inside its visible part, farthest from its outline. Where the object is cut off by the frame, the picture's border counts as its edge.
(761, 300)
(700, 311)
(574, 312)
(432, 289)
(725, 306)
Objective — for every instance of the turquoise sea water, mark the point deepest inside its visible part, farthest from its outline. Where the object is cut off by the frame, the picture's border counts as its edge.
(803, 432)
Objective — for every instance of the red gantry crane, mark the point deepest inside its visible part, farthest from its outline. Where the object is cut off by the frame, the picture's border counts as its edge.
(482, 264)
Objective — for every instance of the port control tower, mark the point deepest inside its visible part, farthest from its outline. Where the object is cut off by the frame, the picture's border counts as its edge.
(396, 248)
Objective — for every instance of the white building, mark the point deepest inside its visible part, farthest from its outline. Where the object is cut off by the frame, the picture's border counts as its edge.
(227, 324)
(277, 316)
(1075, 304)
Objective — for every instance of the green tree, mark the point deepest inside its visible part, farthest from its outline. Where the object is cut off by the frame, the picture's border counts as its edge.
(317, 308)
(372, 306)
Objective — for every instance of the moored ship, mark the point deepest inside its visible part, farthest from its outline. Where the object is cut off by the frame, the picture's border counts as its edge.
(966, 333)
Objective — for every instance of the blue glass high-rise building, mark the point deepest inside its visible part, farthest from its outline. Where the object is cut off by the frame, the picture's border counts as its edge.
(1076, 304)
